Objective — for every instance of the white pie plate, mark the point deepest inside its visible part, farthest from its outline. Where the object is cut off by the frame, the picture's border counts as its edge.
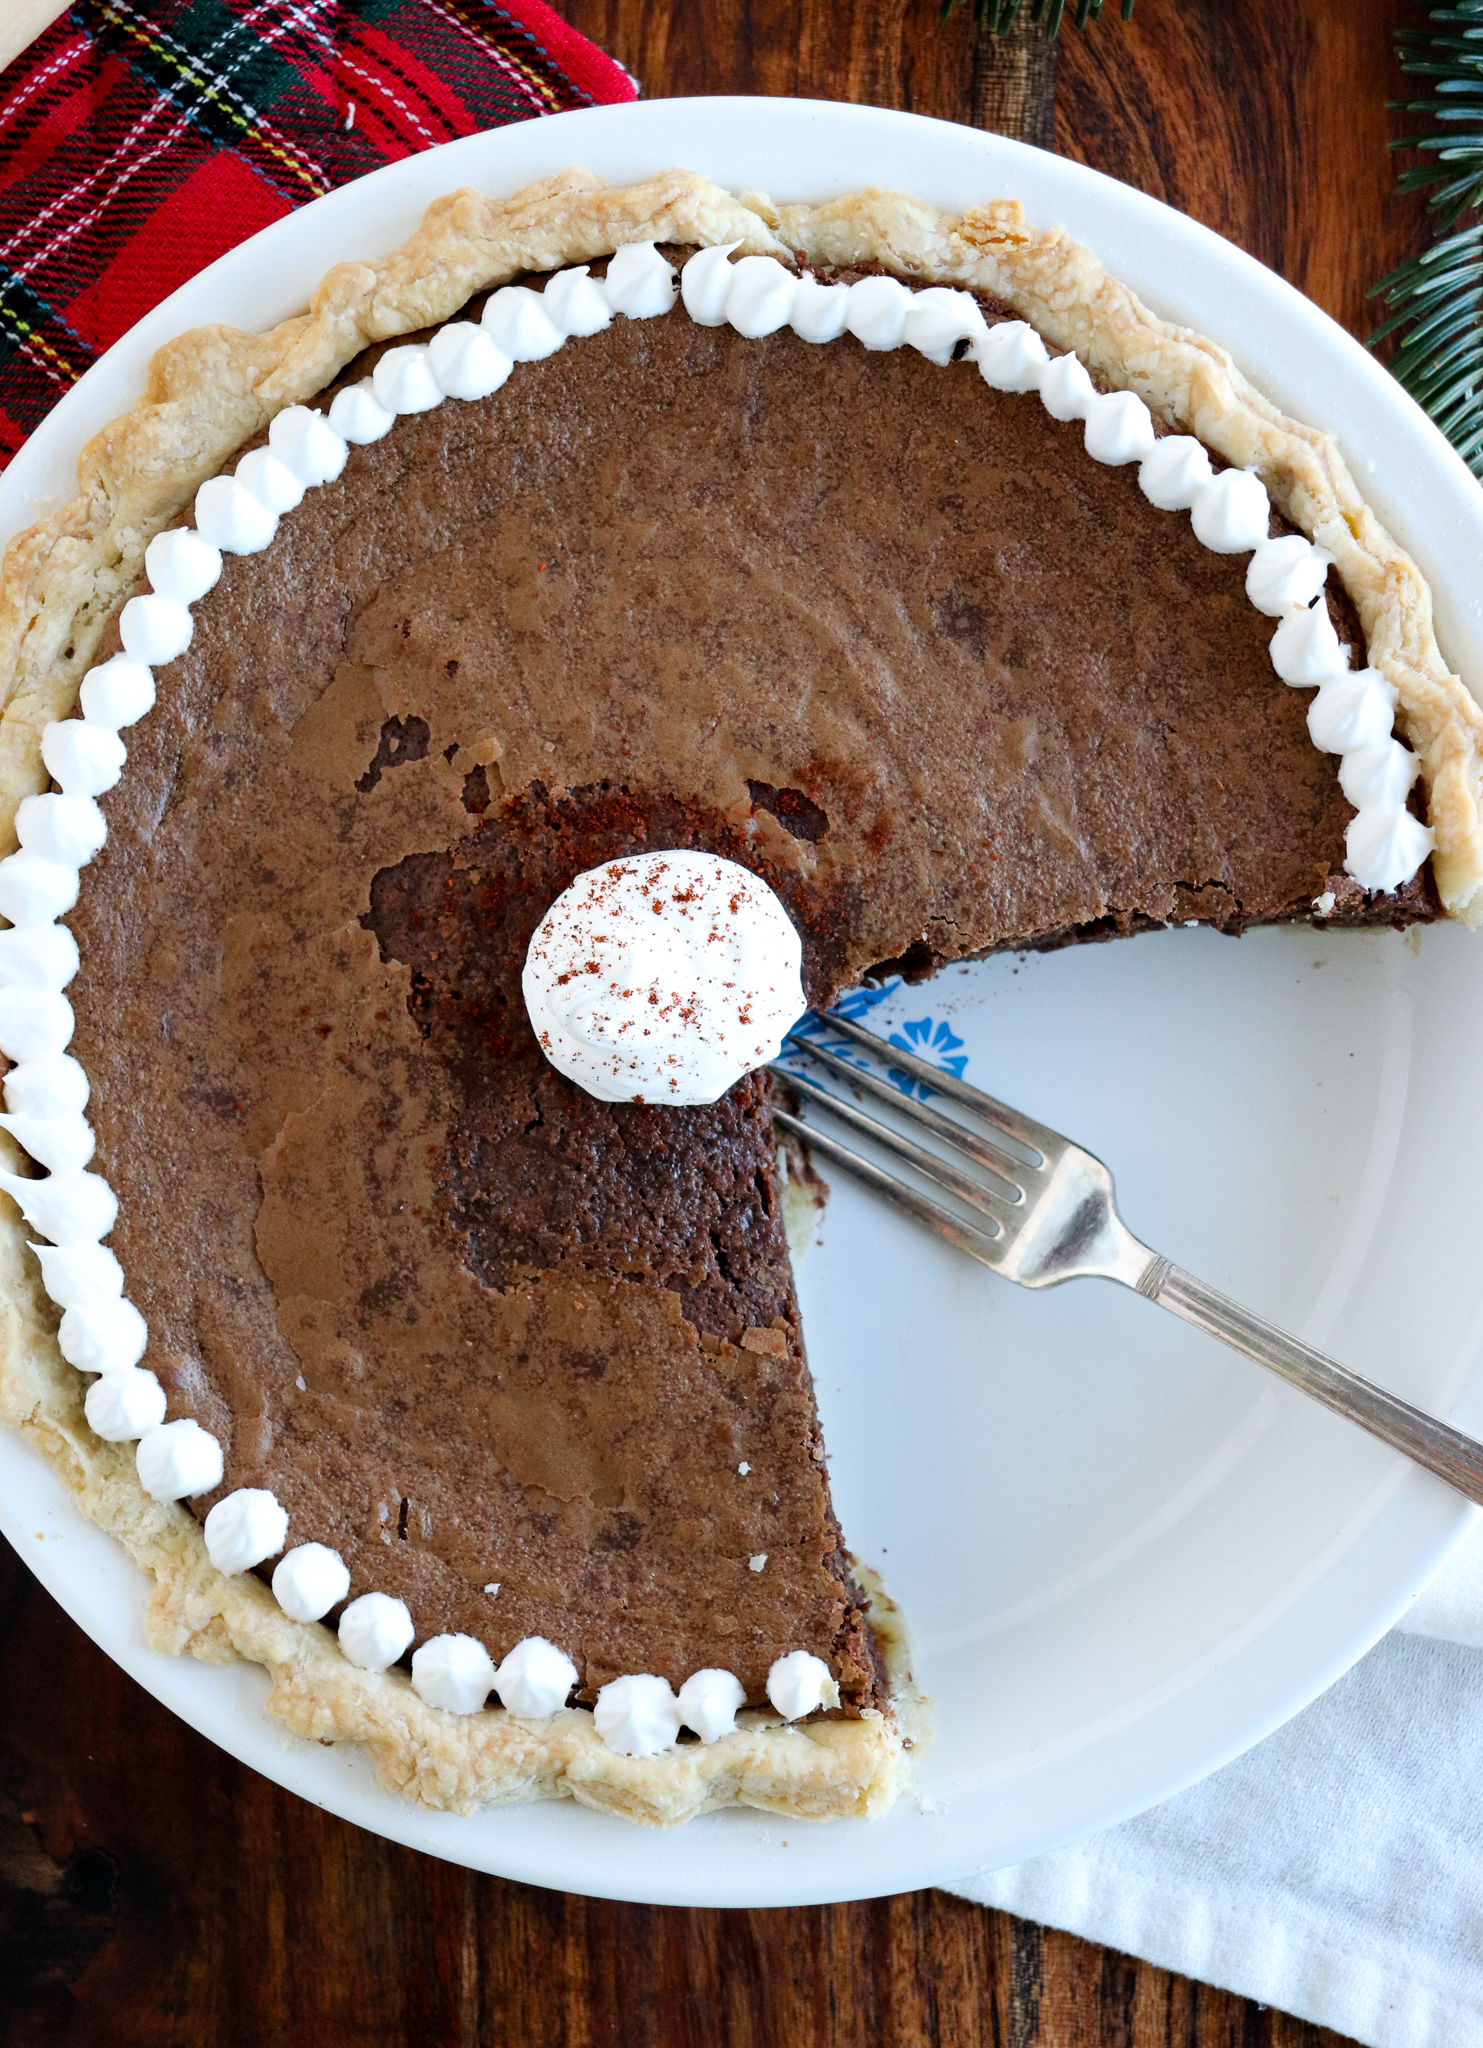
(1126, 1555)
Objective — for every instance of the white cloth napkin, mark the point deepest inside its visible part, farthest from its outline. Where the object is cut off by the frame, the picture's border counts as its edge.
(1336, 1870)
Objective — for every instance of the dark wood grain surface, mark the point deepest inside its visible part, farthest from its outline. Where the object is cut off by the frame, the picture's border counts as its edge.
(154, 1892)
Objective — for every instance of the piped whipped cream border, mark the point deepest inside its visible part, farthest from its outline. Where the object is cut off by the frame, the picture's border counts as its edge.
(46, 1090)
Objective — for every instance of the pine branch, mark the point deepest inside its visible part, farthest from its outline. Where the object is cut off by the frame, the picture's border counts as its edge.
(1000, 16)
(1435, 301)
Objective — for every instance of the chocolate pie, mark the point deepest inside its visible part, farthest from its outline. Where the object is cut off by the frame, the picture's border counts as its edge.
(916, 630)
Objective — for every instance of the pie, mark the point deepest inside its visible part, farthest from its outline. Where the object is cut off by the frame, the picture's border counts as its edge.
(935, 653)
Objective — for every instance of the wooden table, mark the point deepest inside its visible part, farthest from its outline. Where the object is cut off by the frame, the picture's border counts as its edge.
(154, 1892)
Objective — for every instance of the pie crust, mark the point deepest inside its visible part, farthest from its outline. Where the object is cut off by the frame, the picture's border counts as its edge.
(209, 391)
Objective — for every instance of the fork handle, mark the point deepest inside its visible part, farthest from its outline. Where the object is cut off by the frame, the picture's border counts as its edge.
(1441, 1449)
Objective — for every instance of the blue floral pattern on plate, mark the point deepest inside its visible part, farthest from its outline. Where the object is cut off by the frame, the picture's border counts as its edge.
(930, 1038)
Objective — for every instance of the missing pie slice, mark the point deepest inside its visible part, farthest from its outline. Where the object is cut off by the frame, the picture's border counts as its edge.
(724, 543)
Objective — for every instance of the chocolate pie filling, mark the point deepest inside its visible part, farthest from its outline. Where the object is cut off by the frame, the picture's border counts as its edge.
(529, 1361)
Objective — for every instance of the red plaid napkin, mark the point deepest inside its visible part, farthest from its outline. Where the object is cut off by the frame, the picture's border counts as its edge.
(139, 139)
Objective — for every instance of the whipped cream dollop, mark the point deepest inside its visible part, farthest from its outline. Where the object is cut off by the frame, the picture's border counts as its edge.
(246, 1528)
(709, 1702)
(1305, 648)
(453, 1672)
(124, 1405)
(176, 1460)
(309, 1580)
(102, 1336)
(75, 1274)
(663, 977)
(637, 1715)
(535, 1679)
(1286, 574)
(1386, 844)
(375, 1630)
(799, 1684)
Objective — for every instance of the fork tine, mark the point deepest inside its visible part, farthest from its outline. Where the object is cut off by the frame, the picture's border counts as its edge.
(978, 1148)
(977, 1243)
(940, 1171)
(1023, 1129)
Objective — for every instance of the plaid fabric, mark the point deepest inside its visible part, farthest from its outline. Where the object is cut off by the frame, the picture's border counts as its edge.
(139, 139)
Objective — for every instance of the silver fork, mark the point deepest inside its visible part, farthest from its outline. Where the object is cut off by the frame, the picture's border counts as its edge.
(1046, 1213)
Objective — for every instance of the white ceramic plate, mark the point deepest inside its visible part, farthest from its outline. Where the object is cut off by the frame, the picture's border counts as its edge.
(1125, 1553)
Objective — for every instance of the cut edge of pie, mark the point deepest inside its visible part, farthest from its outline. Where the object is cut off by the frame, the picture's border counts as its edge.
(209, 391)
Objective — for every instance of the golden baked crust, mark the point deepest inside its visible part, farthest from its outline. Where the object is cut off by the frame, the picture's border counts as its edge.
(209, 391)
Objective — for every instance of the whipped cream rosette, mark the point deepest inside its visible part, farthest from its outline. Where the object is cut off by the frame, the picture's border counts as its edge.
(663, 977)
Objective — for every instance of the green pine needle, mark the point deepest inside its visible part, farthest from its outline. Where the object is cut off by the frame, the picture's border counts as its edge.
(1435, 301)
(1000, 16)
